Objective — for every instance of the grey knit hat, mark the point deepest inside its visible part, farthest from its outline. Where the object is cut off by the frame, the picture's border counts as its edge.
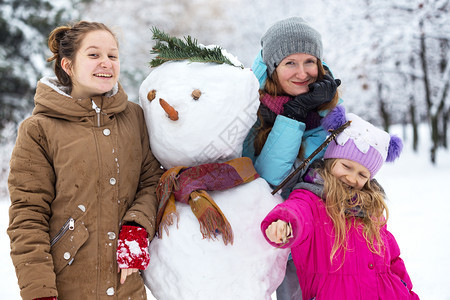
(289, 36)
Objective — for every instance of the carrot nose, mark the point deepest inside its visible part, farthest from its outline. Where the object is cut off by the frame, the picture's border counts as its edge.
(171, 112)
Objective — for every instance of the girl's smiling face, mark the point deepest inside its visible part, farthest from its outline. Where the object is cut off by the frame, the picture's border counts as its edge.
(296, 71)
(96, 67)
(350, 173)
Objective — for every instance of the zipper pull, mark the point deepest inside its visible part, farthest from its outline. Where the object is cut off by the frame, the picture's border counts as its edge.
(71, 224)
(97, 110)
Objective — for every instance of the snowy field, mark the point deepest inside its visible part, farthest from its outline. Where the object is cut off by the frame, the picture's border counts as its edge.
(419, 206)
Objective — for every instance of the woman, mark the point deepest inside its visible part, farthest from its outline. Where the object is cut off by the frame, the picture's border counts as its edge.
(82, 179)
(297, 90)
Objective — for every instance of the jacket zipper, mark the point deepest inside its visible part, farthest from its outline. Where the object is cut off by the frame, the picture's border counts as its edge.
(97, 110)
(69, 225)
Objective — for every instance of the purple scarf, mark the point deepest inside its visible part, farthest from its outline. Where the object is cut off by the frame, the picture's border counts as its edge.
(272, 106)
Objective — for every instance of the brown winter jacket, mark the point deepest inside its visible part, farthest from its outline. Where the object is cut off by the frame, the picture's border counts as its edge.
(76, 176)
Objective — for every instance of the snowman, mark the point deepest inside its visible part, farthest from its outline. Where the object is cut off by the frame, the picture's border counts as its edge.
(198, 111)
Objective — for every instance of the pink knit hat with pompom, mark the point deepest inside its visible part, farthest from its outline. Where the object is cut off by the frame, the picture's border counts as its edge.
(361, 141)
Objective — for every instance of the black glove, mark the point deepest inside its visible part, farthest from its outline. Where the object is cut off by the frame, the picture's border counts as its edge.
(320, 92)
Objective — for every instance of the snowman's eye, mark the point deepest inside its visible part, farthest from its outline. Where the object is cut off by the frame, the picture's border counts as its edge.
(151, 95)
(196, 94)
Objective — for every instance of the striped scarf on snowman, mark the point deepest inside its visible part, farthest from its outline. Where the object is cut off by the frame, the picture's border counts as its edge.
(189, 185)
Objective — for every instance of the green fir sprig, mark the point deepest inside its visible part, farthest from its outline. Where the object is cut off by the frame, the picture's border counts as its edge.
(169, 48)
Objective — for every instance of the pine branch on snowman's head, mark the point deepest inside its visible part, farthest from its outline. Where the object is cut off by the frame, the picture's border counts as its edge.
(168, 48)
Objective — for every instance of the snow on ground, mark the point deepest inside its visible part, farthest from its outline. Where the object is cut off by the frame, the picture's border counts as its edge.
(419, 206)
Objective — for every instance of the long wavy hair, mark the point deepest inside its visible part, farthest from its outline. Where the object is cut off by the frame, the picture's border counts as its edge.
(273, 88)
(342, 202)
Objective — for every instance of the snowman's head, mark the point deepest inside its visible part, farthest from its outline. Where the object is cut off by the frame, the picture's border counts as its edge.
(198, 113)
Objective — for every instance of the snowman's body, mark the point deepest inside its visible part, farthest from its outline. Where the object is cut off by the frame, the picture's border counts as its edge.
(211, 129)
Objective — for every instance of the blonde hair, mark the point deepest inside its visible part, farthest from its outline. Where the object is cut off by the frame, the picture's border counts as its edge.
(64, 41)
(340, 200)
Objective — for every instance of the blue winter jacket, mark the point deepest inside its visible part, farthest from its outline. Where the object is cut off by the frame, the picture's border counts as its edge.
(281, 148)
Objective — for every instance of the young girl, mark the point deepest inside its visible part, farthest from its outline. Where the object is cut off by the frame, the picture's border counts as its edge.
(334, 220)
(82, 179)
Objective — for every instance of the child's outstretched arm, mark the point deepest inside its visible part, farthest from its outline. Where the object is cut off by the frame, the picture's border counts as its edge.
(289, 223)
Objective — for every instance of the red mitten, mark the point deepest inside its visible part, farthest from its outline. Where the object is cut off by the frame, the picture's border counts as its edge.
(132, 248)
(46, 298)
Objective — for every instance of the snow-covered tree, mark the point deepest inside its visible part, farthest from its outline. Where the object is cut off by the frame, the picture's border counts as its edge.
(24, 28)
(394, 59)
(434, 56)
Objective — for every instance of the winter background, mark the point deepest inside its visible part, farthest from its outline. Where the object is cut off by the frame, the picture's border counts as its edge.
(374, 47)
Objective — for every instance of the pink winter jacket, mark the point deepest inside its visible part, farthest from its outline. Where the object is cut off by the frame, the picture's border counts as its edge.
(363, 274)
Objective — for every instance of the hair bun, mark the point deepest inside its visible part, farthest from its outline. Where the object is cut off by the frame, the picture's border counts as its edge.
(54, 40)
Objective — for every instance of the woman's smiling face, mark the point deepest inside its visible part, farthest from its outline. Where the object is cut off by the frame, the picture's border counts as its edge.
(96, 67)
(296, 71)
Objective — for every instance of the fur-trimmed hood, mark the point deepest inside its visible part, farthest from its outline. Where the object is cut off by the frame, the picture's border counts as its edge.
(52, 99)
